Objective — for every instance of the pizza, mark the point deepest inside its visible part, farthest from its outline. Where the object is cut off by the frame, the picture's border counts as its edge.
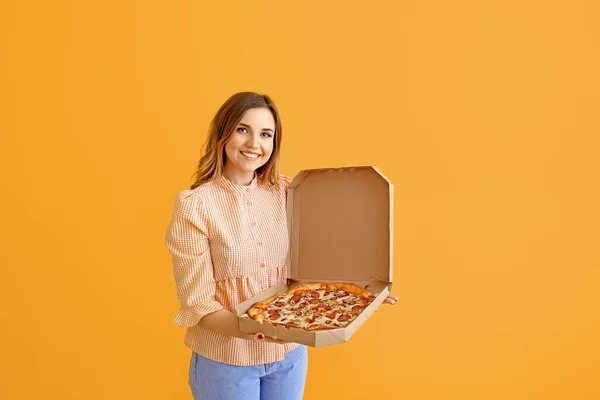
(313, 306)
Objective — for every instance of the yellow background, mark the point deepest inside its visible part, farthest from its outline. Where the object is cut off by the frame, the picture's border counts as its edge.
(484, 114)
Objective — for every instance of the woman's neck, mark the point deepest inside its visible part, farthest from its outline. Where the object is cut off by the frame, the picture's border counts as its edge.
(241, 178)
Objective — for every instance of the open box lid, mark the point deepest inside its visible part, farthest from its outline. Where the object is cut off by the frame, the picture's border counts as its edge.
(340, 223)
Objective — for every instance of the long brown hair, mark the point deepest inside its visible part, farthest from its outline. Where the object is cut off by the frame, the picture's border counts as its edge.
(222, 127)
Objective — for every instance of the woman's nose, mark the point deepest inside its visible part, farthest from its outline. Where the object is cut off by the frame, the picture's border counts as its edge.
(252, 142)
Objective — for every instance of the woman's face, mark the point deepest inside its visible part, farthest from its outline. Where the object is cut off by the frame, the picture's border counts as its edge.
(251, 145)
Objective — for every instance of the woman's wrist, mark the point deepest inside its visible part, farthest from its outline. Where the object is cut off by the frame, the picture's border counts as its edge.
(222, 321)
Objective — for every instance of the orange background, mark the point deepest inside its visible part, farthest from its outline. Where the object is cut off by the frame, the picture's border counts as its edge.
(483, 114)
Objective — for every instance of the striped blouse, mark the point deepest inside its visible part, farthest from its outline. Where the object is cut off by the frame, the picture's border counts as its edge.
(228, 243)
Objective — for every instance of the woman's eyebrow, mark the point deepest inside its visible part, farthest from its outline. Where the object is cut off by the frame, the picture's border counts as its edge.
(248, 126)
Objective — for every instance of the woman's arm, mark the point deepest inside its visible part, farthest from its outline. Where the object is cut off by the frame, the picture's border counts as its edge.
(187, 240)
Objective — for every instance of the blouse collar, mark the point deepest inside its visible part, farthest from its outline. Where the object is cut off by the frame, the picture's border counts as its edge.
(234, 187)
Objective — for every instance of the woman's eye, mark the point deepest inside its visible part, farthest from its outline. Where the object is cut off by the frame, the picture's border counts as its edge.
(242, 130)
(267, 134)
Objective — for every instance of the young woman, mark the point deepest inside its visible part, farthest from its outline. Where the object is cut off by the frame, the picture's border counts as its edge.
(228, 240)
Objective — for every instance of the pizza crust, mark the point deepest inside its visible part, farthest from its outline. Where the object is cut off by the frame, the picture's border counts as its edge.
(347, 287)
(256, 313)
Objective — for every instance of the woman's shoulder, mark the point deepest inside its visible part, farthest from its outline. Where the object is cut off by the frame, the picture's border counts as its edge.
(189, 201)
(284, 181)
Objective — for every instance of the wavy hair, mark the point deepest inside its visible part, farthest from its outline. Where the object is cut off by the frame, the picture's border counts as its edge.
(222, 128)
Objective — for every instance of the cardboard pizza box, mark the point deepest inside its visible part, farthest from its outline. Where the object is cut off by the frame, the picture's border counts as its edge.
(340, 223)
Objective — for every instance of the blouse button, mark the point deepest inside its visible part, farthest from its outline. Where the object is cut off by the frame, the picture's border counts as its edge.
(262, 265)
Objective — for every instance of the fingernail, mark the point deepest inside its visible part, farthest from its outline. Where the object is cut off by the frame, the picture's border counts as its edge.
(261, 336)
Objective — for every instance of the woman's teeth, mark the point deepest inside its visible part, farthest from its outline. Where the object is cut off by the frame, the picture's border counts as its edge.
(250, 155)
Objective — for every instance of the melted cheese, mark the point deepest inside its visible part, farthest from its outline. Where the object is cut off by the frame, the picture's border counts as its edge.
(289, 315)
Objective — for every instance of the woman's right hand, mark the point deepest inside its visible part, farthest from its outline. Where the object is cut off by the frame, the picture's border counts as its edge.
(257, 337)
(260, 337)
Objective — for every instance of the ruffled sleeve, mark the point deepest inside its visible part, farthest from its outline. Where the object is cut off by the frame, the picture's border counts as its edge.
(187, 240)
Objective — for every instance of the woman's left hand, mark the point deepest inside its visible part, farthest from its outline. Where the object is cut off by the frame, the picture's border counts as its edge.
(390, 300)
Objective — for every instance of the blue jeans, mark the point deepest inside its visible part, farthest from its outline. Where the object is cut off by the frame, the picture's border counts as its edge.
(212, 380)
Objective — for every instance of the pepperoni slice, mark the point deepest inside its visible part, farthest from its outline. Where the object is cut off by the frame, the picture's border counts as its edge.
(313, 326)
(314, 301)
(290, 325)
(321, 306)
(302, 305)
(299, 313)
(357, 309)
(330, 315)
(343, 318)
(274, 316)
(273, 311)
(279, 303)
(328, 321)
(326, 293)
(296, 298)
(315, 295)
(328, 307)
